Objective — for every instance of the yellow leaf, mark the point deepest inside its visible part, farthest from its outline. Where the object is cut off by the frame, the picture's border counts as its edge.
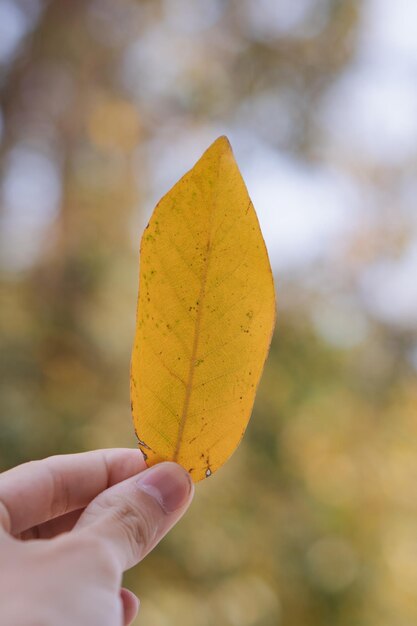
(205, 317)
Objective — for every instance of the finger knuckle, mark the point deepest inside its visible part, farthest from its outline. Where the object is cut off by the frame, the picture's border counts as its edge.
(138, 526)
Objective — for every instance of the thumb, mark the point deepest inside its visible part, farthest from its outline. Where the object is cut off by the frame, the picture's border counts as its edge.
(133, 516)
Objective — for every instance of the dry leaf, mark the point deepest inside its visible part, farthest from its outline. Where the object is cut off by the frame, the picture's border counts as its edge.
(205, 317)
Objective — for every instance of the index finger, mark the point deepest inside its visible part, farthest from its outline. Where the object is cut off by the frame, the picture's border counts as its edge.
(35, 492)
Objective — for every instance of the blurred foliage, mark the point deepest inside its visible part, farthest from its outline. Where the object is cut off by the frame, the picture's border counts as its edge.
(313, 521)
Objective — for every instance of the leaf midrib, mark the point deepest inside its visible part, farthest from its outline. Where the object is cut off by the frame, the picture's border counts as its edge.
(193, 357)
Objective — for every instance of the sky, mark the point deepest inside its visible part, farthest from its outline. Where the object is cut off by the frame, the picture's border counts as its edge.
(309, 211)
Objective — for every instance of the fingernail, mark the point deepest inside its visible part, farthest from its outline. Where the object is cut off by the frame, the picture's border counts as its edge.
(168, 483)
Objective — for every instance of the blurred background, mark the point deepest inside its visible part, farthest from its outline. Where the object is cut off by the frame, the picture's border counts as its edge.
(103, 106)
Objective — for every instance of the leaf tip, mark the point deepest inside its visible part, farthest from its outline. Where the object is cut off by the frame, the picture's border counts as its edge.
(222, 144)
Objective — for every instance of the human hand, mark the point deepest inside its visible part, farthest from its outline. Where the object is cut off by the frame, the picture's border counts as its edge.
(71, 525)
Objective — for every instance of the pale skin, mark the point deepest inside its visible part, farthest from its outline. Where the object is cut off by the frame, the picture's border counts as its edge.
(71, 525)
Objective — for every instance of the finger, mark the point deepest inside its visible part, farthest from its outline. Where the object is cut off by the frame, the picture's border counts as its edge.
(35, 492)
(132, 517)
(130, 604)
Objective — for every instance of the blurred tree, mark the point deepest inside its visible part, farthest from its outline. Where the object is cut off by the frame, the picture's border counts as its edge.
(313, 520)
